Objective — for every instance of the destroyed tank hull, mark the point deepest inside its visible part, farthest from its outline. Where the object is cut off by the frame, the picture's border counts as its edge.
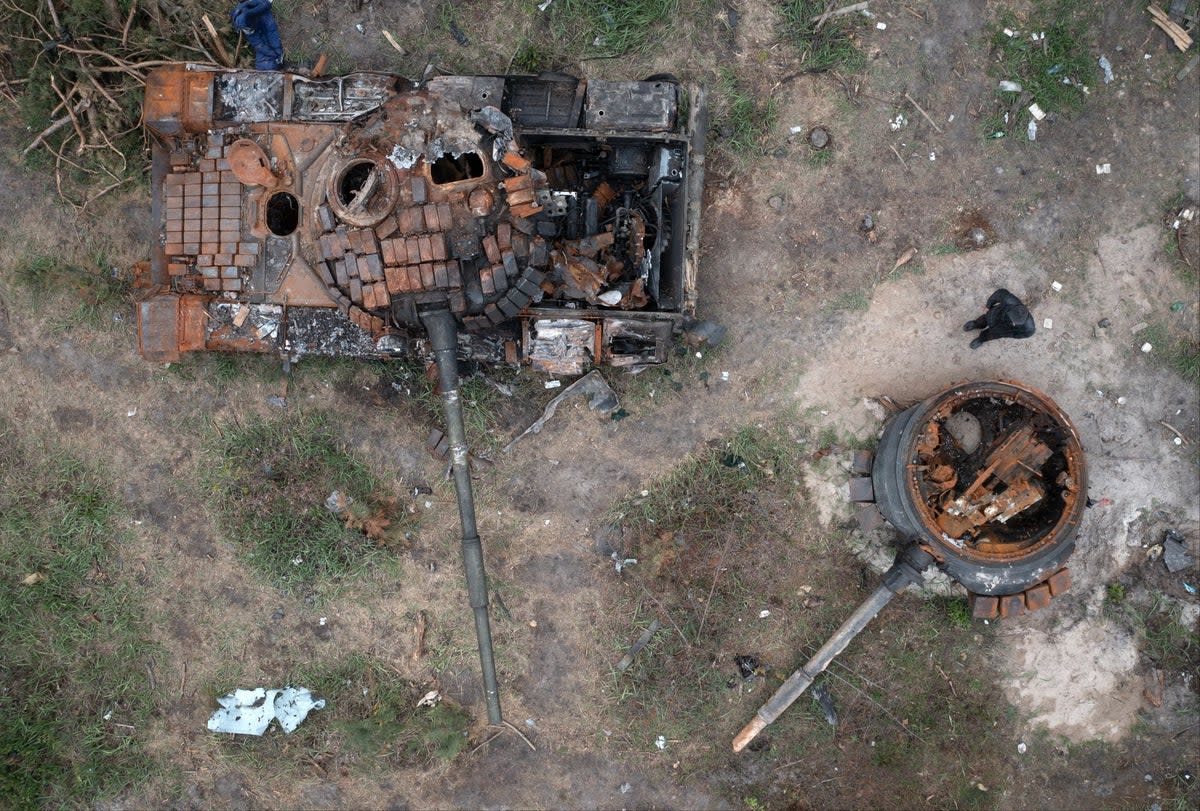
(988, 477)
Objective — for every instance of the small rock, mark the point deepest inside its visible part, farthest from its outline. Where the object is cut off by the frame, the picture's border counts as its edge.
(275, 401)
(818, 137)
(775, 202)
(977, 236)
(278, 615)
(1104, 323)
(867, 224)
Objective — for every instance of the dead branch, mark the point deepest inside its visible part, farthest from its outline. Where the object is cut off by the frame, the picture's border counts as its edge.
(102, 192)
(850, 9)
(54, 127)
(922, 112)
(71, 114)
(226, 59)
(128, 22)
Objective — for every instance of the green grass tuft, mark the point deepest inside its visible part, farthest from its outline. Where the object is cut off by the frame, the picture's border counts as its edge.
(1175, 348)
(76, 696)
(1052, 71)
(269, 482)
(826, 48)
(608, 29)
(741, 122)
(95, 290)
(855, 301)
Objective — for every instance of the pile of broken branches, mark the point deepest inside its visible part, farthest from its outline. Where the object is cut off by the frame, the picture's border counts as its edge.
(76, 69)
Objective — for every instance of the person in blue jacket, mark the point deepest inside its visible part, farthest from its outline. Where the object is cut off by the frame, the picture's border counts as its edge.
(256, 21)
(1006, 317)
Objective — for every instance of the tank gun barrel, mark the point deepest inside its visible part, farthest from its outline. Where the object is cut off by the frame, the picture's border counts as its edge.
(904, 572)
(443, 338)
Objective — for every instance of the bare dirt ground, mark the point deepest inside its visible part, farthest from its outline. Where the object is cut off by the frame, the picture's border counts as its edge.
(818, 325)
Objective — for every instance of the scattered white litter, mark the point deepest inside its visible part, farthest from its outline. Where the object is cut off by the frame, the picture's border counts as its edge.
(250, 712)
(881, 26)
(1021, 748)
(1037, 112)
(108, 715)
(724, 377)
(1104, 168)
(322, 621)
(1010, 87)
(544, 5)
(611, 297)
(898, 122)
(626, 788)
(1048, 323)
(1038, 37)
(661, 742)
(1122, 401)
(933, 156)
(1145, 56)
(1177, 441)
(430, 699)
(793, 131)
(699, 354)
(1056, 287)
(1010, 32)
(553, 384)
(131, 412)
(296, 561)
(1106, 66)
(1147, 347)
(1031, 131)
(950, 120)
(762, 615)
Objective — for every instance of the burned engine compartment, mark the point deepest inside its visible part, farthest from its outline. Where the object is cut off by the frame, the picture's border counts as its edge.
(556, 218)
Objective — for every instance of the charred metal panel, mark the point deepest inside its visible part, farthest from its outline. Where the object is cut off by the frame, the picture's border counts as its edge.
(471, 92)
(158, 328)
(544, 102)
(631, 106)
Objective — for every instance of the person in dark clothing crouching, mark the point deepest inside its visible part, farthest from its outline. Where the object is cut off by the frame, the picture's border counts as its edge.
(1006, 317)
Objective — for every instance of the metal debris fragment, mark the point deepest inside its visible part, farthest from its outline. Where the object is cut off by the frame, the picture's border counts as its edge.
(600, 397)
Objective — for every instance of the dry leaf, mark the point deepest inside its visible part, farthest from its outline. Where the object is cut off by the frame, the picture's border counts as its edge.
(33, 579)
(905, 258)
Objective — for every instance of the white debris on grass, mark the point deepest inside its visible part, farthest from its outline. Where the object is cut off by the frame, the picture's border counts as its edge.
(1031, 131)
(898, 122)
(250, 712)
(1010, 87)
(661, 742)
(1037, 112)
(1104, 168)
(1056, 286)
(1106, 66)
